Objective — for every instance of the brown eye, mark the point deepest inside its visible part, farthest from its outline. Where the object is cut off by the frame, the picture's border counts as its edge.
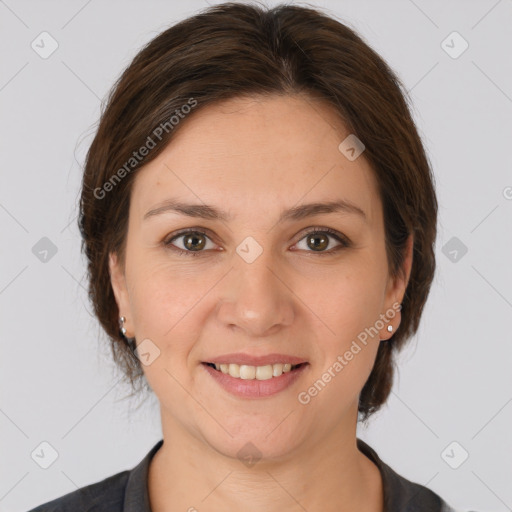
(318, 241)
(190, 242)
(194, 241)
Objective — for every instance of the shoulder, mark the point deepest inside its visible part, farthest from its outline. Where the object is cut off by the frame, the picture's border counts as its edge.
(402, 494)
(105, 495)
(126, 491)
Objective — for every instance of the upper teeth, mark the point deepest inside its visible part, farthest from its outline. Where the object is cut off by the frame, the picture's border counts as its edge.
(244, 371)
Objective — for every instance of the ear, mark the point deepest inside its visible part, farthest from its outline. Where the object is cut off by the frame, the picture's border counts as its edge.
(118, 282)
(396, 288)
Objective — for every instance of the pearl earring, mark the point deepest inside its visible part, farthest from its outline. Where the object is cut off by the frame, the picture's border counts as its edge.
(121, 324)
(130, 341)
(390, 328)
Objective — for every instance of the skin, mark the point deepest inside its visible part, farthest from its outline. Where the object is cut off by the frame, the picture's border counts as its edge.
(255, 157)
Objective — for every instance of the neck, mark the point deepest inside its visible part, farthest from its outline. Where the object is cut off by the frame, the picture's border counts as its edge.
(332, 475)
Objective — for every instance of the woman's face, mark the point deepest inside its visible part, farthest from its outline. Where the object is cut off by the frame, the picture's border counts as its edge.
(258, 282)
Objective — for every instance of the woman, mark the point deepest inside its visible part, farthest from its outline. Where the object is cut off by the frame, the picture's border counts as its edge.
(259, 219)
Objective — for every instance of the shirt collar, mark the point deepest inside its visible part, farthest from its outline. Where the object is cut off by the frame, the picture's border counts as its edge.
(400, 493)
(136, 497)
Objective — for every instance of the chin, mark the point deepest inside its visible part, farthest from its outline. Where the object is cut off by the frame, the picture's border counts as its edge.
(256, 441)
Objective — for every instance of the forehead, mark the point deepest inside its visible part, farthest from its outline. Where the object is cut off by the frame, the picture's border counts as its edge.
(247, 152)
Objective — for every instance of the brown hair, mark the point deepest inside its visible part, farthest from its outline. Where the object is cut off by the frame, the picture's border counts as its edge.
(231, 50)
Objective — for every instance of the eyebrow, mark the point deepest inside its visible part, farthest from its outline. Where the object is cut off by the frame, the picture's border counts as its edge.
(302, 211)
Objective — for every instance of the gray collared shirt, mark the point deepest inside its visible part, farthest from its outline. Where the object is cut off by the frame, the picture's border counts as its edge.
(128, 491)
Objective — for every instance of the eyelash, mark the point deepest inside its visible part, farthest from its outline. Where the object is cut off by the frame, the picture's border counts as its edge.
(345, 242)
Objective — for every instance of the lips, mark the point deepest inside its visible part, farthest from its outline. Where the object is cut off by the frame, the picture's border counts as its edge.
(245, 381)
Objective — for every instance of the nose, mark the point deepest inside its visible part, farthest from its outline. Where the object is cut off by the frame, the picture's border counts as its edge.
(255, 298)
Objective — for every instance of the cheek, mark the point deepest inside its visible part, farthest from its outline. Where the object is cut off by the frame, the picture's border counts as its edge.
(347, 300)
(349, 303)
(163, 307)
(168, 309)
(350, 308)
(161, 293)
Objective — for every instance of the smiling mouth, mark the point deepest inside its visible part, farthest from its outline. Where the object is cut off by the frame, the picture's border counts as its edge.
(248, 372)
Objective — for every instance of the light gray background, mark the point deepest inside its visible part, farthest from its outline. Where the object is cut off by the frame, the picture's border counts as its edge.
(57, 382)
